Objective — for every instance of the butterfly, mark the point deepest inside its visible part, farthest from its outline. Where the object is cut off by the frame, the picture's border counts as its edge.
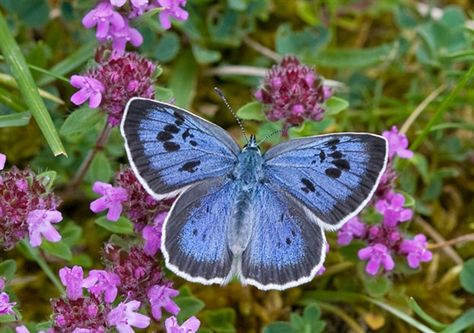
(239, 212)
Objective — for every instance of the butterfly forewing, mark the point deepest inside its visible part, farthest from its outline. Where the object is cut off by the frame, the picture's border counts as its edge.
(333, 176)
(195, 232)
(286, 248)
(170, 148)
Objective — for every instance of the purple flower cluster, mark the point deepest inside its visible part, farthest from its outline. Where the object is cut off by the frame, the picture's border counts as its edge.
(116, 78)
(142, 209)
(28, 207)
(385, 240)
(112, 19)
(132, 282)
(293, 92)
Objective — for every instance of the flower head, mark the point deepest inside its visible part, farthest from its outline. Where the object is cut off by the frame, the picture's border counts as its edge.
(377, 255)
(392, 209)
(39, 224)
(100, 281)
(3, 159)
(72, 278)
(90, 89)
(354, 228)
(294, 92)
(105, 18)
(123, 76)
(123, 317)
(416, 251)
(112, 198)
(85, 313)
(171, 9)
(141, 208)
(123, 35)
(397, 144)
(152, 234)
(6, 307)
(189, 326)
(160, 297)
(22, 192)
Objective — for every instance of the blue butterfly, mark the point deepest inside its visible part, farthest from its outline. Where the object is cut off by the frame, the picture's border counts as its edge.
(259, 217)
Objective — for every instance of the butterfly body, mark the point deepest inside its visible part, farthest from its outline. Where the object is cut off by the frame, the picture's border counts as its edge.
(258, 217)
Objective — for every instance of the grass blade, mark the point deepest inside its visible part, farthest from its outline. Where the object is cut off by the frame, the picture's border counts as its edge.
(17, 64)
(426, 317)
(15, 120)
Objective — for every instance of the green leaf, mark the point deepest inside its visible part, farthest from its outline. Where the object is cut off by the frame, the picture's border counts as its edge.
(100, 169)
(17, 64)
(305, 43)
(58, 249)
(467, 276)
(80, 121)
(122, 226)
(73, 61)
(377, 286)
(353, 58)
(278, 327)
(8, 318)
(334, 105)
(221, 321)
(47, 179)
(8, 268)
(426, 317)
(15, 120)
(184, 79)
(251, 111)
(34, 13)
(410, 201)
(205, 56)
(168, 47)
(163, 94)
(11, 100)
(463, 322)
(309, 128)
(71, 234)
(189, 306)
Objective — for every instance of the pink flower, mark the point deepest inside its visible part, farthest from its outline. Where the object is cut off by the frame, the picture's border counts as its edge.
(3, 159)
(152, 234)
(391, 206)
(6, 307)
(104, 17)
(112, 198)
(415, 250)
(189, 326)
(39, 223)
(160, 297)
(90, 89)
(397, 143)
(352, 229)
(100, 281)
(171, 9)
(376, 255)
(72, 278)
(82, 313)
(123, 317)
(123, 35)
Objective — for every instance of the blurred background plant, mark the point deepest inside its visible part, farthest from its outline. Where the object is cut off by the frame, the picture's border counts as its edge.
(379, 64)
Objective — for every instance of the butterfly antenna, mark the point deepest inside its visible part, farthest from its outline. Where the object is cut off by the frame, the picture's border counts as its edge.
(221, 95)
(269, 136)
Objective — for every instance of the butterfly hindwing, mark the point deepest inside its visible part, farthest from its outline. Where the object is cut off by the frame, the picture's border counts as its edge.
(170, 148)
(195, 231)
(333, 176)
(286, 248)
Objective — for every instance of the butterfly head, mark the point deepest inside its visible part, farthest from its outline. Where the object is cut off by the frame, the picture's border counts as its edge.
(252, 144)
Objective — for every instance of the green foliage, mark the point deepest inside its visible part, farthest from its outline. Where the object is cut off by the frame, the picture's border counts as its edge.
(467, 276)
(309, 322)
(122, 226)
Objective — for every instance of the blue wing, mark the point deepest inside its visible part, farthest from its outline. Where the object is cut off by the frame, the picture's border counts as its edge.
(170, 148)
(287, 248)
(195, 231)
(333, 176)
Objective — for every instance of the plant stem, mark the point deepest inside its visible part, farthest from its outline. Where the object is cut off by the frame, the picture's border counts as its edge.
(36, 255)
(454, 241)
(99, 145)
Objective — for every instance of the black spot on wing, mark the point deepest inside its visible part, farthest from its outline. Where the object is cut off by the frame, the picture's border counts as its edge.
(187, 134)
(179, 118)
(333, 142)
(336, 154)
(164, 136)
(308, 185)
(171, 128)
(190, 166)
(193, 143)
(341, 164)
(322, 156)
(288, 241)
(171, 146)
(333, 172)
